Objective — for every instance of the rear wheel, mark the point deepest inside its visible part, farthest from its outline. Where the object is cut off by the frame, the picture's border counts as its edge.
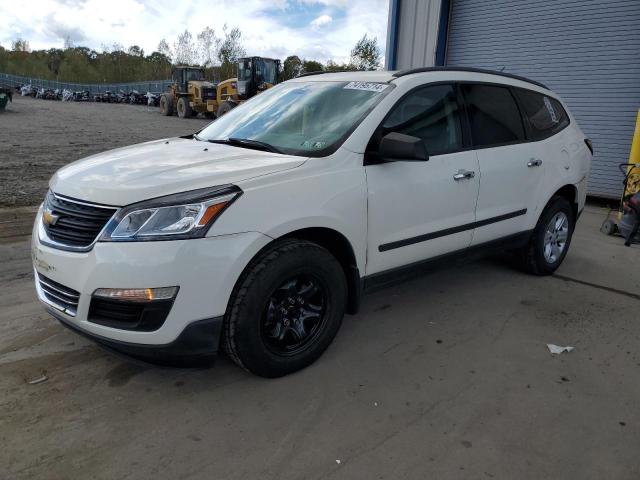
(286, 309)
(225, 107)
(166, 104)
(183, 107)
(550, 239)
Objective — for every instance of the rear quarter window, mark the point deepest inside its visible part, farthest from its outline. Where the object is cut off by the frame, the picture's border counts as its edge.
(544, 115)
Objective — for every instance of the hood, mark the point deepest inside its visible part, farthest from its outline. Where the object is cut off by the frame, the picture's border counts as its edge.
(162, 167)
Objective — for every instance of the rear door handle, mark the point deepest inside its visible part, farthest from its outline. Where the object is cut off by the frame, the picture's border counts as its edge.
(534, 162)
(462, 174)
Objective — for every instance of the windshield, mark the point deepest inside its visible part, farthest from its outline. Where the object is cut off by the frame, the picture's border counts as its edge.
(194, 74)
(244, 70)
(266, 71)
(309, 119)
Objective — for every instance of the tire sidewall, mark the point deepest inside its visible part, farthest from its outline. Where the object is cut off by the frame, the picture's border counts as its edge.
(255, 355)
(557, 205)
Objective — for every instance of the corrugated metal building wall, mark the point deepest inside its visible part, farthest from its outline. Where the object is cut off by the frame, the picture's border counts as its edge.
(588, 51)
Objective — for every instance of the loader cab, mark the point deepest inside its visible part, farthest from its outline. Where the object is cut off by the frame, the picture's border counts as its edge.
(182, 75)
(256, 74)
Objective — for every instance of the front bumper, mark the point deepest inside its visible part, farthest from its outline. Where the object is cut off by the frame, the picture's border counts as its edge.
(205, 269)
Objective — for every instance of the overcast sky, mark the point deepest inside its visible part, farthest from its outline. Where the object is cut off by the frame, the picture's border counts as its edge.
(313, 29)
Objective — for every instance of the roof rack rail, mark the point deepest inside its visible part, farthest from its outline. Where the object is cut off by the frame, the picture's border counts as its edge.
(402, 73)
(319, 72)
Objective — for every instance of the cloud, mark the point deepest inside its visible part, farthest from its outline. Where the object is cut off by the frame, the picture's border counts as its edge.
(321, 21)
(278, 28)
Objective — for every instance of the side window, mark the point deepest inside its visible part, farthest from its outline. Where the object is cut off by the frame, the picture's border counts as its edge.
(493, 115)
(544, 114)
(430, 113)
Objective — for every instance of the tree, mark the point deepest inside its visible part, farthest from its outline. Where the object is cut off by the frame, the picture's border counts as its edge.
(208, 42)
(185, 49)
(20, 45)
(68, 43)
(292, 67)
(135, 51)
(165, 49)
(229, 50)
(332, 66)
(366, 54)
(309, 66)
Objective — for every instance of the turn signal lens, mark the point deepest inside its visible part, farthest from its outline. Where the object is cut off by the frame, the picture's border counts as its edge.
(211, 212)
(137, 294)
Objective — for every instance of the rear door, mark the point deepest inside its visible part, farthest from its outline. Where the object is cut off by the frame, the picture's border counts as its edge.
(421, 209)
(511, 170)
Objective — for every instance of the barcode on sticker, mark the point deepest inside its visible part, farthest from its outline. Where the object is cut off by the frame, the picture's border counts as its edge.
(369, 86)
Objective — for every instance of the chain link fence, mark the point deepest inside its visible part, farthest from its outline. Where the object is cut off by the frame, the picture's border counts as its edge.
(154, 86)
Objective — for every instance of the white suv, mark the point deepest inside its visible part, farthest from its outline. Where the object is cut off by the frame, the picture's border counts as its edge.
(259, 232)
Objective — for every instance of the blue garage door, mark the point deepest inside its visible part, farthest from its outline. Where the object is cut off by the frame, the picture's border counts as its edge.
(587, 51)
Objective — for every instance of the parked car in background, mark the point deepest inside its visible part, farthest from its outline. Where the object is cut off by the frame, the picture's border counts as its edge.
(257, 233)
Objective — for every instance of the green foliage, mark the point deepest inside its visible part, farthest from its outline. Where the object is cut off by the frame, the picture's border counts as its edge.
(116, 64)
(366, 54)
(309, 66)
(82, 65)
(291, 67)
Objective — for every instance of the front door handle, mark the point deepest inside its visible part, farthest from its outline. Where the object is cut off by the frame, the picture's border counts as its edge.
(534, 162)
(462, 174)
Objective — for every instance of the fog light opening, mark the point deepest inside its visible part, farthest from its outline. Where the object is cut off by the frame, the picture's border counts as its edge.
(137, 294)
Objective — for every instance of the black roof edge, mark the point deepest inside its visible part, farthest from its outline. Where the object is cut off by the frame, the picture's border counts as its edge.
(319, 72)
(403, 73)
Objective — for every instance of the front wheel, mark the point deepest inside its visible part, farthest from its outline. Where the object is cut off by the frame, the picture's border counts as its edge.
(285, 309)
(550, 239)
(183, 107)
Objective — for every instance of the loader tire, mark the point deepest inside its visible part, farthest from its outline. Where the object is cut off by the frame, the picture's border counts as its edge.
(183, 107)
(166, 104)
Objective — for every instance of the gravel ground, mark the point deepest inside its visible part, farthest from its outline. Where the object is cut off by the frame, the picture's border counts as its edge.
(37, 137)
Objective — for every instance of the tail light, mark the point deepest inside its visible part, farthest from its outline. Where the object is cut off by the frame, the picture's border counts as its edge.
(589, 145)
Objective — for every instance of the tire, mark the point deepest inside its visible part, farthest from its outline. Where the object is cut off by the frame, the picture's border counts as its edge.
(273, 297)
(183, 107)
(540, 257)
(609, 227)
(166, 104)
(225, 107)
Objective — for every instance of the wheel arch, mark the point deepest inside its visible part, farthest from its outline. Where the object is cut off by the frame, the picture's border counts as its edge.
(339, 246)
(570, 193)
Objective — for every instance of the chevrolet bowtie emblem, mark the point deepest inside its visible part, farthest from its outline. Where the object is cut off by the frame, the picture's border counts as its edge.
(49, 218)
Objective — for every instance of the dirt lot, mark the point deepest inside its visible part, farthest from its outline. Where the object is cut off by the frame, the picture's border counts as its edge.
(444, 377)
(37, 137)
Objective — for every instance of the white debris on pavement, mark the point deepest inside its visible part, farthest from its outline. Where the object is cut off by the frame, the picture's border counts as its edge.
(557, 350)
(338, 462)
(41, 379)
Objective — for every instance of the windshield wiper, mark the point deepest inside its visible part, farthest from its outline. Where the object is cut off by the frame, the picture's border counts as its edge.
(248, 143)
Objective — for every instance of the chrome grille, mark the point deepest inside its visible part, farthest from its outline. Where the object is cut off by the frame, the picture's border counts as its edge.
(74, 223)
(58, 296)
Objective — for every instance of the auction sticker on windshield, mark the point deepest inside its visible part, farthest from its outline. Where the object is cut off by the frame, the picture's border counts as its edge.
(369, 86)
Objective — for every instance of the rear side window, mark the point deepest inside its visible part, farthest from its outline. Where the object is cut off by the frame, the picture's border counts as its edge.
(545, 115)
(493, 115)
(430, 113)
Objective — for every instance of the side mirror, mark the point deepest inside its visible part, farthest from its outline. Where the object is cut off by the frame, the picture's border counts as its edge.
(396, 147)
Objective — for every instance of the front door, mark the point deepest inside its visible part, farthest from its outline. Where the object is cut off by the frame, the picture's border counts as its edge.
(422, 209)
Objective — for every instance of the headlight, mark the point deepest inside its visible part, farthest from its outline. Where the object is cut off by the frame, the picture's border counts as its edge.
(178, 216)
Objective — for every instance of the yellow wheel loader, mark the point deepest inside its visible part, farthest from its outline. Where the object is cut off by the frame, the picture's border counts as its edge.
(190, 94)
(255, 74)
